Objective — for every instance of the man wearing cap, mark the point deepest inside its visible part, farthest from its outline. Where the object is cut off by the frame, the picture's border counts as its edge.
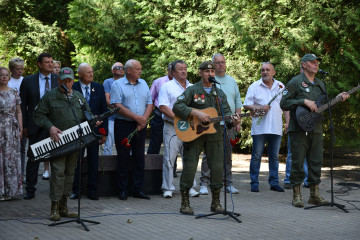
(202, 95)
(54, 114)
(118, 72)
(32, 89)
(303, 90)
(231, 89)
(265, 95)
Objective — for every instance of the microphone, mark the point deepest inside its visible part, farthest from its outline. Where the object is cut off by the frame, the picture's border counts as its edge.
(323, 72)
(212, 80)
(65, 88)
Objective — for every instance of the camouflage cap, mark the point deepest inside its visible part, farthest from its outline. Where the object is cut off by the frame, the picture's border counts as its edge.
(66, 73)
(310, 57)
(206, 65)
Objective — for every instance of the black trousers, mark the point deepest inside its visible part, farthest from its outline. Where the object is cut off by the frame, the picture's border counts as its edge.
(92, 159)
(130, 158)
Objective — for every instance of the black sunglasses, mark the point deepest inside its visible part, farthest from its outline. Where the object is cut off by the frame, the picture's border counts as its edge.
(119, 67)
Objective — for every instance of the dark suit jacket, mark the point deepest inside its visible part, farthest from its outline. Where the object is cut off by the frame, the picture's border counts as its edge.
(30, 97)
(97, 101)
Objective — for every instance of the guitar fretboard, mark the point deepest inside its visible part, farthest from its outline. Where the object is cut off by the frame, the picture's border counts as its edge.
(228, 117)
(335, 100)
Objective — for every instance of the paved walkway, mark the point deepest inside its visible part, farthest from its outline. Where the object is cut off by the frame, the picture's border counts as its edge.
(264, 215)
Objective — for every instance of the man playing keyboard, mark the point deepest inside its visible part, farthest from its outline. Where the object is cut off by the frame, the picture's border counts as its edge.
(56, 115)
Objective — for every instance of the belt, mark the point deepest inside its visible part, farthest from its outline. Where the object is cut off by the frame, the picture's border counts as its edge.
(167, 121)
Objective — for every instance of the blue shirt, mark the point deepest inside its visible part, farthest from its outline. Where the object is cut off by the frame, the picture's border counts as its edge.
(134, 97)
(107, 87)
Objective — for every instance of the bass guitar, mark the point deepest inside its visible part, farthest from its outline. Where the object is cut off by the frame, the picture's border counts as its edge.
(308, 120)
(192, 128)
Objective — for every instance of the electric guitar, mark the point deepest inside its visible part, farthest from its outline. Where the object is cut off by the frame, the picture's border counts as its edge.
(308, 120)
(192, 128)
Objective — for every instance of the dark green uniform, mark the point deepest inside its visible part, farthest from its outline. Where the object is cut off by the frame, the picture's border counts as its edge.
(303, 144)
(196, 97)
(54, 110)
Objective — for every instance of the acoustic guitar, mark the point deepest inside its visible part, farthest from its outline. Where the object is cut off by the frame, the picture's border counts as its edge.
(308, 120)
(192, 128)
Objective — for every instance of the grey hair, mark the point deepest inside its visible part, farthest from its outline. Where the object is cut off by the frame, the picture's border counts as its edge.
(130, 64)
(216, 55)
(15, 62)
(82, 65)
(113, 66)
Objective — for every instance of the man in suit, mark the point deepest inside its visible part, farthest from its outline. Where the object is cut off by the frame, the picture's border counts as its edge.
(95, 96)
(32, 88)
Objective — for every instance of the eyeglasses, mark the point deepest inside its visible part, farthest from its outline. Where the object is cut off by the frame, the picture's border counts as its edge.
(119, 67)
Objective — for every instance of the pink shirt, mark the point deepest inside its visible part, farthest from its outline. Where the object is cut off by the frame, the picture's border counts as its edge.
(155, 89)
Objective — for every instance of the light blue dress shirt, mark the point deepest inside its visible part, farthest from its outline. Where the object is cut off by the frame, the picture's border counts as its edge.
(134, 97)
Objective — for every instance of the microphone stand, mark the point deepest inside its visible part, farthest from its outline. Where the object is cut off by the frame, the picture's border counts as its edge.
(82, 140)
(225, 140)
(332, 140)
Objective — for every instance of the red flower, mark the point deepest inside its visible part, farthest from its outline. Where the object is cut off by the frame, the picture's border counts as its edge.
(124, 141)
(127, 145)
(233, 142)
(202, 96)
(280, 86)
(102, 131)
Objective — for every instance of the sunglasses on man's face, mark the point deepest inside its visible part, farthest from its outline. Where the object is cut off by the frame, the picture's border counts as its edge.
(119, 67)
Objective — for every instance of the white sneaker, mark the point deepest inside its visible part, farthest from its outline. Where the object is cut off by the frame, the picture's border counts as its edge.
(193, 193)
(231, 189)
(167, 194)
(204, 190)
(46, 175)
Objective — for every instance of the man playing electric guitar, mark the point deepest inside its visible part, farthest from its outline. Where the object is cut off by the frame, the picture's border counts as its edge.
(303, 90)
(199, 96)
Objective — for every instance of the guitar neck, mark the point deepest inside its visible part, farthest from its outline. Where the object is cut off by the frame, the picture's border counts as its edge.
(335, 100)
(228, 117)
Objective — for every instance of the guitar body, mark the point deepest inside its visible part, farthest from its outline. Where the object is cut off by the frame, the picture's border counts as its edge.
(307, 119)
(192, 128)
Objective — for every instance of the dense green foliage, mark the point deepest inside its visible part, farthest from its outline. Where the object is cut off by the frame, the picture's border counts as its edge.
(157, 32)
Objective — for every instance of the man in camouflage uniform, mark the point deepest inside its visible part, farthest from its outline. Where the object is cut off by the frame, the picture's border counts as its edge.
(303, 90)
(54, 114)
(200, 96)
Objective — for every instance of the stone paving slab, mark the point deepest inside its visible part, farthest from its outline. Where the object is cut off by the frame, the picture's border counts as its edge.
(264, 215)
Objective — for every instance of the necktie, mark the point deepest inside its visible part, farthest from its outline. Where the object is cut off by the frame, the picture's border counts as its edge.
(87, 94)
(47, 85)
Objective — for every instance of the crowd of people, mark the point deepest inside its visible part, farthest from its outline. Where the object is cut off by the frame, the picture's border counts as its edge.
(45, 104)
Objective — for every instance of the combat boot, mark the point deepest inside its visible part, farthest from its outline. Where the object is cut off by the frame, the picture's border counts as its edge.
(315, 197)
(185, 203)
(54, 215)
(215, 202)
(63, 209)
(297, 201)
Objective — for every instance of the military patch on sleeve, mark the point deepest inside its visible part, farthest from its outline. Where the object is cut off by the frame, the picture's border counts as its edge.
(285, 92)
(181, 97)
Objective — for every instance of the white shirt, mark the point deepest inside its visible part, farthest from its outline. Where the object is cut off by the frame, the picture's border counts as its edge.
(15, 83)
(168, 94)
(259, 94)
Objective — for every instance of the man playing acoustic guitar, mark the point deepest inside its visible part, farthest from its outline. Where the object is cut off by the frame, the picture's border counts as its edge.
(303, 90)
(202, 95)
